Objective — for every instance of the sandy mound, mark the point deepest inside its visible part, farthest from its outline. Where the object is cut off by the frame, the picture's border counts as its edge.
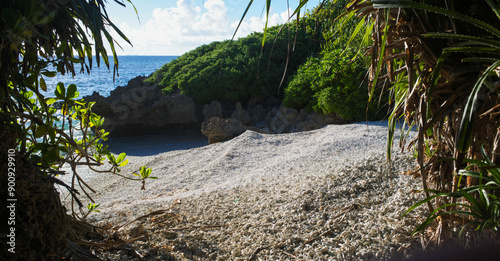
(323, 194)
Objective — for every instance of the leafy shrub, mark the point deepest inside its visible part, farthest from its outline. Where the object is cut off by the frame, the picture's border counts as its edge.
(235, 70)
(332, 83)
(38, 36)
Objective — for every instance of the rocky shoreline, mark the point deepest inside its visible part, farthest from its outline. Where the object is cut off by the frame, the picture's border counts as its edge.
(141, 109)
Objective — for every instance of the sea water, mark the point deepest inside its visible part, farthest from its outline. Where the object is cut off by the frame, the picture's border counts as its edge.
(100, 78)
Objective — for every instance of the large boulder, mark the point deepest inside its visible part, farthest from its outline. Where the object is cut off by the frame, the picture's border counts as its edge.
(139, 109)
(218, 129)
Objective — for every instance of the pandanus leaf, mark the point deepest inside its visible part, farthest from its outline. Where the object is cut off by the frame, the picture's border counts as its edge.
(466, 124)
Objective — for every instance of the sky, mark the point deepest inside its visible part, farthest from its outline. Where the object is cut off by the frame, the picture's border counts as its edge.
(173, 27)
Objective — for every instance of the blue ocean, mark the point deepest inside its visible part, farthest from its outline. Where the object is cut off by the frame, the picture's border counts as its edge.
(100, 78)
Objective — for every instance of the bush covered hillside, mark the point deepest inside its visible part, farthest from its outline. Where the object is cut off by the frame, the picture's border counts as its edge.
(235, 70)
(333, 81)
(319, 75)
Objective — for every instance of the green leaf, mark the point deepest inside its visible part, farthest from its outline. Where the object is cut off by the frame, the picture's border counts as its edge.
(40, 131)
(81, 102)
(123, 163)
(43, 85)
(494, 7)
(111, 158)
(49, 74)
(60, 91)
(361, 24)
(74, 60)
(50, 101)
(476, 205)
(438, 10)
(121, 157)
(52, 132)
(268, 8)
(468, 40)
(72, 93)
(145, 172)
(423, 201)
(61, 48)
(243, 17)
(93, 207)
(30, 79)
(465, 130)
(104, 135)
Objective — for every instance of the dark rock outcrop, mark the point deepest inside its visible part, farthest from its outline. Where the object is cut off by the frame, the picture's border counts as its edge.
(139, 109)
(284, 120)
(241, 115)
(214, 109)
(276, 120)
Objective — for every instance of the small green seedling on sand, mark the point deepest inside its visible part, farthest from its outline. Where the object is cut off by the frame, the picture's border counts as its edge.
(92, 207)
(145, 173)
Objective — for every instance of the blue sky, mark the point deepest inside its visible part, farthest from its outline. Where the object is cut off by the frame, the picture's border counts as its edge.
(173, 27)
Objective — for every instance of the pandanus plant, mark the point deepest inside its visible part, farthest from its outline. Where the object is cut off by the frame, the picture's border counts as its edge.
(440, 59)
(439, 62)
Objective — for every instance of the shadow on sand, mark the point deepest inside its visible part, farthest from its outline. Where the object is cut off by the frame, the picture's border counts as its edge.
(149, 145)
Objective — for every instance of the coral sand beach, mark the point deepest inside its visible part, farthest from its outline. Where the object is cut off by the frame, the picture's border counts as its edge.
(317, 195)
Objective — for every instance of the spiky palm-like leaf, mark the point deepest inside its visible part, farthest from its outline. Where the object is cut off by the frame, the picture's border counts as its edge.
(439, 60)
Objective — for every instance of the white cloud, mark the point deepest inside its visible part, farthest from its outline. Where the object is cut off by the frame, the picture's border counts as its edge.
(214, 21)
(176, 30)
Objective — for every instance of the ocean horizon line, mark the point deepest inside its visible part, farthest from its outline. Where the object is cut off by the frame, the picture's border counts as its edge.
(145, 55)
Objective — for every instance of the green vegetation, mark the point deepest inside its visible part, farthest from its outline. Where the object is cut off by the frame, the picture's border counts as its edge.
(235, 70)
(333, 81)
(443, 81)
(481, 202)
(317, 76)
(37, 36)
(438, 61)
